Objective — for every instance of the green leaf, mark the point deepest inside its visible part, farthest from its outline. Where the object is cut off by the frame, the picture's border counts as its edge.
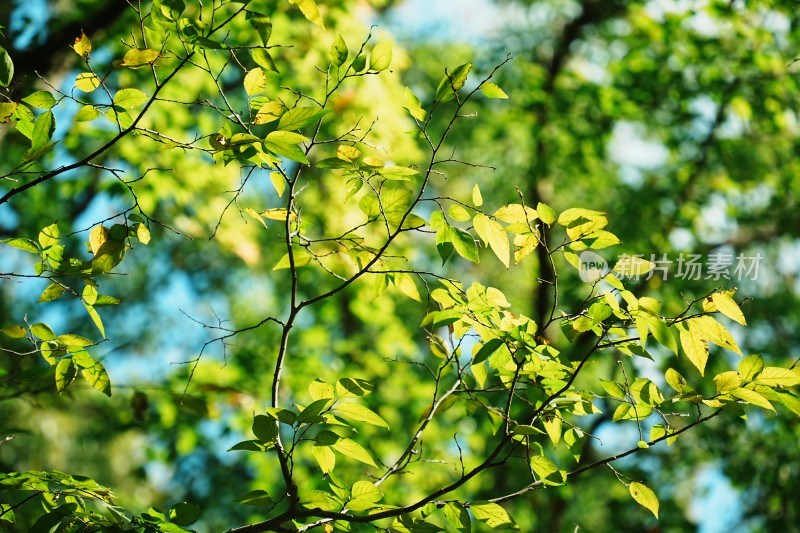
(406, 285)
(356, 411)
(278, 182)
(310, 11)
(485, 350)
(644, 497)
(319, 390)
(255, 82)
(547, 470)
(749, 367)
(139, 58)
(299, 117)
(71, 340)
(52, 292)
(752, 397)
(727, 381)
(97, 377)
(7, 110)
(65, 373)
(354, 450)
(86, 113)
(381, 57)
(285, 416)
(397, 173)
(185, 513)
(263, 27)
(458, 516)
(256, 498)
(95, 318)
(26, 245)
(40, 99)
(15, 332)
(465, 245)
(338, 52)
(353, 388)
(492, 515)
(774, 376)
(546, 213)
(263, 59)
(42, 331)
(492, 234)
(492, 90)
(129, 98)
(412, 104)
(6, 68)
(311, 413)
(43, 130)
(364, 490)
(324, 457)
(264, 428)
(285, 143)
(452, 82)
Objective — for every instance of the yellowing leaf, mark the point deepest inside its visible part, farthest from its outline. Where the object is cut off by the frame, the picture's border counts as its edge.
(278, 182)
(129, 98)
(492, 234)
(516, 214)
(142, 233)
(525, 245)
(694, 346)
(477, 198)
(725, 304)
(255, 82)
(310, 11)
(97, 237)
(715, 332)
(87, 82)
(139, 58)
(269, 112)
(82, 45)
(727, 381)
(644, 497)
(775, 376)
(492, 515)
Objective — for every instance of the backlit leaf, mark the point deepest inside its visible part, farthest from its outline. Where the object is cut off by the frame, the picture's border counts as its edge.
(492, 515)
(644, 497)
(492, 90)
(352, 449)
(129, 98)
(381, 57)
(356, 411)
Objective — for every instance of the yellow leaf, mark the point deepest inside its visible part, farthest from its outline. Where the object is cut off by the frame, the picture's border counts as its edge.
(725, 304)
(644, 497)
(82, 45)
(87, 82)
